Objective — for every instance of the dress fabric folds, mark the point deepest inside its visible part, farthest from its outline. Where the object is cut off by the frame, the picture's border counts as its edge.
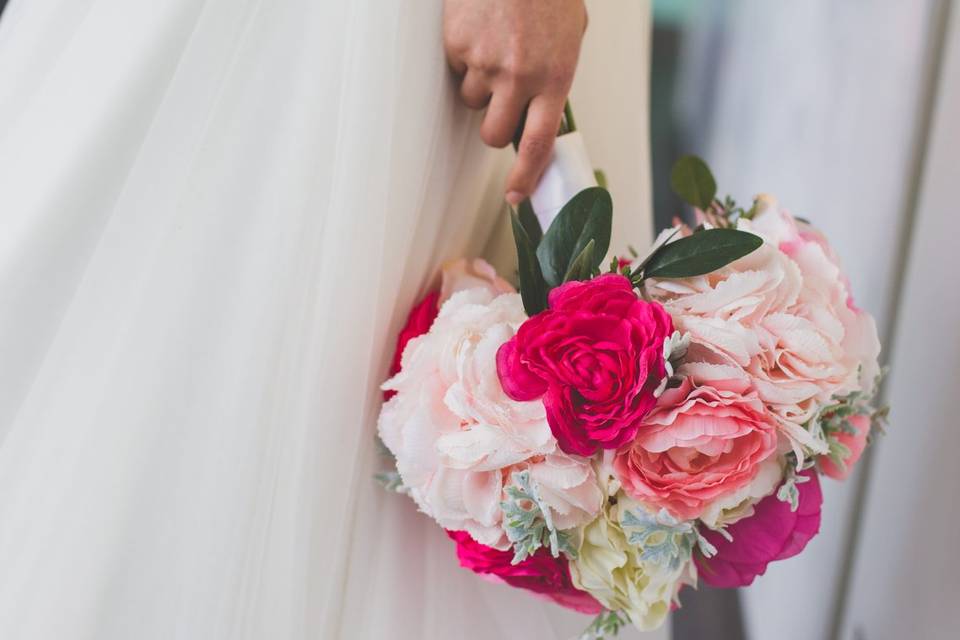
(214, 216)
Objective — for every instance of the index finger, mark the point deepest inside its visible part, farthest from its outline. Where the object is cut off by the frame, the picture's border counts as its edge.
(535, 147)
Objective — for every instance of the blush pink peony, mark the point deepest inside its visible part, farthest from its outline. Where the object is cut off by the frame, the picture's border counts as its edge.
(839, 341)
(457, 437)
(704, 441)
(785, 315)
(418, 323)
(595, 356)
(541, 573)
(773, 532)
(456, 275)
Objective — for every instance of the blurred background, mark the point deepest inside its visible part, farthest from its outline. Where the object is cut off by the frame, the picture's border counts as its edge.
(849, 112)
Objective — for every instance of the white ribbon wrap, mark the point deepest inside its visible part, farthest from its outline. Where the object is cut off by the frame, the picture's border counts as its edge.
(568, 173)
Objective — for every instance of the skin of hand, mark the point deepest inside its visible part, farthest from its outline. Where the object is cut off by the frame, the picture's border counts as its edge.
(511, 56)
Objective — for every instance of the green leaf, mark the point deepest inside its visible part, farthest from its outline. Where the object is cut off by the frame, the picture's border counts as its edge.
(588, 216)
(701, 253)
(692, 181)
(580, 268)
(533, 290)
(530, 223)
(653, 254)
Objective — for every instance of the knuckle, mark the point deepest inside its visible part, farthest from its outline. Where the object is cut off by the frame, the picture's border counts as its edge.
(520, 68)
(480, 59)
(456, 45)
(536, 145)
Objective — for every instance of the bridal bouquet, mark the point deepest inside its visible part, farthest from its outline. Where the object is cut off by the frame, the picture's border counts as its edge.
(606, 435)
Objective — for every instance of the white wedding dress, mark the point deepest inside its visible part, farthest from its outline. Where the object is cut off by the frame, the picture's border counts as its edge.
(214, 216)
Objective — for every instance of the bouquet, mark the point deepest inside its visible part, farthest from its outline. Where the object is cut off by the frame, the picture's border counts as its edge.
(606, 435)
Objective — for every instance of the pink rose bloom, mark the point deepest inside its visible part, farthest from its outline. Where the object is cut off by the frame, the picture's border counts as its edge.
(595, 356)
(773, 532)
(541, 573)
(855, 442)
(703, 441)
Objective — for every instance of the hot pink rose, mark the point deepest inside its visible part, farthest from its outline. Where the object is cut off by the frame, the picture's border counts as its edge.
(855, 442)
(702, 442)
(595, 357)
(773, 532)
(540, 573)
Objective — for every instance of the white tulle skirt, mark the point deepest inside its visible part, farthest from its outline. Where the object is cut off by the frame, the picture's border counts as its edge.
(214, 215)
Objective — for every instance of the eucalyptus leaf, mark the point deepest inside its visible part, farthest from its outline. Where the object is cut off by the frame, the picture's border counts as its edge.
(581, 268)
(692, 181)
(588, 216)
(701, 253)
(533, 290)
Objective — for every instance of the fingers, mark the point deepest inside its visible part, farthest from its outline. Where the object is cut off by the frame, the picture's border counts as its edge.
(536, 145)
(502, 117)
(475, 89)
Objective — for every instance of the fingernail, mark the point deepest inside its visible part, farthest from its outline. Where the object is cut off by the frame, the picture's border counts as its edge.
(514, 197)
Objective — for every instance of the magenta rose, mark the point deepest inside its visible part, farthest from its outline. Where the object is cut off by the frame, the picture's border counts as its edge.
(595, 356)
(540, 573)
(773, 532)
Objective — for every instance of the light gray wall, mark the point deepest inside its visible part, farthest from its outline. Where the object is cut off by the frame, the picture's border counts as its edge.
(820, 103)
(906, 578)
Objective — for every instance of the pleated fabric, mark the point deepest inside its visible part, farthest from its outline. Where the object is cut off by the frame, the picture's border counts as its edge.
(214, 216)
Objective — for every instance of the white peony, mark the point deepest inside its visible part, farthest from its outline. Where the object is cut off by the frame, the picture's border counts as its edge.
(784, 314)
(457, 437)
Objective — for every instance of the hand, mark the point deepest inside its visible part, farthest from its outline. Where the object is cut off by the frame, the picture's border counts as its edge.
(511, 56)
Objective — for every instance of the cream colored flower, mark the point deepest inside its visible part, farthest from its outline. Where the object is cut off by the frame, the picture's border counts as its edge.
(612, 570)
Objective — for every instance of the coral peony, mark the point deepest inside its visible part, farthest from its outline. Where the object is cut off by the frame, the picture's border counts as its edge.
(773, 532)
(704, 440)
(595, 356)
(540, 573)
